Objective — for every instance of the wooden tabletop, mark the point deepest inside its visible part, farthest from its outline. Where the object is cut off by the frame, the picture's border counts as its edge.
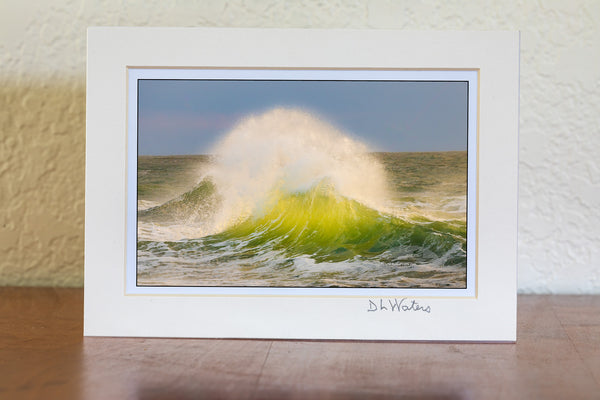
(44, 356)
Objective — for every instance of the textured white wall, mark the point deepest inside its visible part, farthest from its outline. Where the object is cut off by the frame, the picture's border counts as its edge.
(42, 118)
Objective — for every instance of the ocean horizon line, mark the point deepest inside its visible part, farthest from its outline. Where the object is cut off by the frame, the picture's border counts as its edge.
(370, 152)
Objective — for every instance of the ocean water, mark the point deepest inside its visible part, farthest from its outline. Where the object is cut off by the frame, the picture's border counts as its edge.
(287, 200)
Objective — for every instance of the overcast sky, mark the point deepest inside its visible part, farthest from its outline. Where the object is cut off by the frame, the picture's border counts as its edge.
(188, 116)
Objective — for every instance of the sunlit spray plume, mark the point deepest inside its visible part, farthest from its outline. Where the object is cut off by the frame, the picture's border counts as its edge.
(286, 151)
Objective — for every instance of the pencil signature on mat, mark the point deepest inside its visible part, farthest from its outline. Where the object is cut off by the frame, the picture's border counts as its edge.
(395, 305)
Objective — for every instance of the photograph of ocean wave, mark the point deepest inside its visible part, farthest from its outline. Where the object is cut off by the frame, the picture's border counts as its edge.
(302, 184)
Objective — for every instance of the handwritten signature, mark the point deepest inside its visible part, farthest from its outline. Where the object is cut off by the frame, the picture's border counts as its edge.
(397, 305)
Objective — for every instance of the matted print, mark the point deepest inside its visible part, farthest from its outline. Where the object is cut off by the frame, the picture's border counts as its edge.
(301, 184)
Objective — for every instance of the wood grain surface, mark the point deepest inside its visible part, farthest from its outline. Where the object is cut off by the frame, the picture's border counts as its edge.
(43, 355)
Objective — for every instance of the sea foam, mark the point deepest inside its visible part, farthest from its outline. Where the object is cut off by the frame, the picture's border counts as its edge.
(286, 151)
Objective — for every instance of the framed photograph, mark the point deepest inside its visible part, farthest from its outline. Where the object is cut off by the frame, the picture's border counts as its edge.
(318, 184)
